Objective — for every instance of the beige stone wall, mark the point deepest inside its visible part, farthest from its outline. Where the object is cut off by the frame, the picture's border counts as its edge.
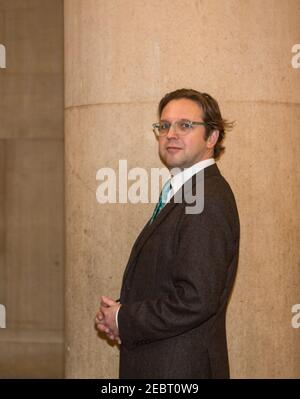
(121, 56)
(32, 189)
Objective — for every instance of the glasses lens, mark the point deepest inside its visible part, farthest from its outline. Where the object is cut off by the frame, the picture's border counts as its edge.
(163, 128)
(184, 126)
(181, 127)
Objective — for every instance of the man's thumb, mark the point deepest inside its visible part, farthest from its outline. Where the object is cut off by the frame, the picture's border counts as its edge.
(107, 301)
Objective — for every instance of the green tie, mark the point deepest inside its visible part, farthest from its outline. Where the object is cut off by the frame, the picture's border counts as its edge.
(162, 199)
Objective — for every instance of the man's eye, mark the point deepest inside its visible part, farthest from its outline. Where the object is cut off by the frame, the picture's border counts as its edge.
(185, 125)
(164, 126)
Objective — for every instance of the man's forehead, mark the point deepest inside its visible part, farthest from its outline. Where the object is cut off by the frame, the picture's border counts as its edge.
(182, 108)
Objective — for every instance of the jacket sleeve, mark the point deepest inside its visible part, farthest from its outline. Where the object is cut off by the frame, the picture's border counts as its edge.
(201, 262)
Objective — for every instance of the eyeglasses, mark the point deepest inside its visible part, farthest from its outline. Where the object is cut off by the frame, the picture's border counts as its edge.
(181, 127)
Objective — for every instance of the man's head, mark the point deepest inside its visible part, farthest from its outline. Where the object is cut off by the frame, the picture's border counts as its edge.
(182, 144)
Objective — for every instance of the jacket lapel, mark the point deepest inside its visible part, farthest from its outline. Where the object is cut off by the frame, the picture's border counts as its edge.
(150, 228)
(146, 234)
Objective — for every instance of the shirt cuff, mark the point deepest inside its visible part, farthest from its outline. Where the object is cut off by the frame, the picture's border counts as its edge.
(117, 317)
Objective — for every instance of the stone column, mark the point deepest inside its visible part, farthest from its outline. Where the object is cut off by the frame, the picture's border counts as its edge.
(120, 58)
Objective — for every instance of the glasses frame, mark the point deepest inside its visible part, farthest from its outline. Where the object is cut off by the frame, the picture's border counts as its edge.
(190, 123)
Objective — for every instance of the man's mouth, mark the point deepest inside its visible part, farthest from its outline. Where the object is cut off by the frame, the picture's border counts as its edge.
(173, 149)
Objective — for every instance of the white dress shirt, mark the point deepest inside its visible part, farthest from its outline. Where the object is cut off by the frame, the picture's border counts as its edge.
(178, 180)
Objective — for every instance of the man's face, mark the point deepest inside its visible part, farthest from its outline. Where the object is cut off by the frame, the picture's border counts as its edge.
(178, 151)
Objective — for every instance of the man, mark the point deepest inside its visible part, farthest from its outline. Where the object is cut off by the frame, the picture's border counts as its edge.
(170, 322)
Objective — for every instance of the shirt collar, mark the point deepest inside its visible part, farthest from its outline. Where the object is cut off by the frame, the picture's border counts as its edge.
(178, 180)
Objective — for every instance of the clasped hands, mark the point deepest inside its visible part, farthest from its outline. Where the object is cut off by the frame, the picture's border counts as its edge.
(105, 320)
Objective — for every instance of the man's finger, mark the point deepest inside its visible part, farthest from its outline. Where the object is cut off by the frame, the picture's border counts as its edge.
(103, 328)
(104, 311)
(114, 337)
(103, 303)
(107, 301)
(97, 321)
(111, 336)
(100, 315)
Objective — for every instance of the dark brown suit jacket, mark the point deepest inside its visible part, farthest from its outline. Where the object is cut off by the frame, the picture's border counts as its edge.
(176, 287)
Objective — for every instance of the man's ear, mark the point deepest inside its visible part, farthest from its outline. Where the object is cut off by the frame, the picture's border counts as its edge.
(212, 139)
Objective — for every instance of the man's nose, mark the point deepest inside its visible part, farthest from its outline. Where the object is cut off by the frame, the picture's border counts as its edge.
(172, 132)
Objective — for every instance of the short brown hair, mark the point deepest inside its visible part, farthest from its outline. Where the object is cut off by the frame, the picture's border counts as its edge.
(212, 115)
